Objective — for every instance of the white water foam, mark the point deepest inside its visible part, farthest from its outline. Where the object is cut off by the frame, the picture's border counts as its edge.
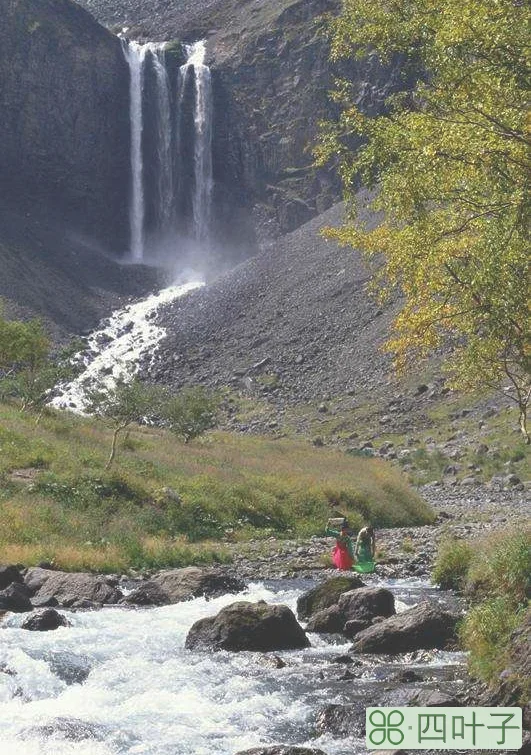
(146, 695)
(114, 350)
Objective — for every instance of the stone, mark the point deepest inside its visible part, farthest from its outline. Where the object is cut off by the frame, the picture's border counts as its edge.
(354, 626)
(365, 603)
(71, 729)
(512, 479)
(341, 720)
(194, 582)
(69, 667)
(330, 620)
(433, 698)
(69, 587)
(44, 621)
(148, 593)
(325, 595)
(281, 750)
(15, 598)
(424, 626)
(272, 661)
(47, 601)
(248, 626)
(9, 574)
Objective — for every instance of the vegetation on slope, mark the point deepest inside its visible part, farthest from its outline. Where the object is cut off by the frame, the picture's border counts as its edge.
(165, 502)
(496, 575)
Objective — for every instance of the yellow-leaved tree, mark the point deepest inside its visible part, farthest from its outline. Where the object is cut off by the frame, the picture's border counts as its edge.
(449, 164)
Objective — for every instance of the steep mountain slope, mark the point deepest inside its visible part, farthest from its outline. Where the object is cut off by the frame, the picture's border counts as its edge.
(296, 319)
(48, 272)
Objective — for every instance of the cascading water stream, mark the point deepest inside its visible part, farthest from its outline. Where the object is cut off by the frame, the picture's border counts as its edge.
(138, 57)
(203, 139)
(115, 349)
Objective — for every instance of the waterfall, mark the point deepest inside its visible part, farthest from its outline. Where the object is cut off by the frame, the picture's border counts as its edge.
(135, 55)
(203, 139)
(156, 145)
(164, 141)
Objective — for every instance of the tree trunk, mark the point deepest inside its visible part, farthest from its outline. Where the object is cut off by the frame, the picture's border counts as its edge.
(523, 423)
(113, 447)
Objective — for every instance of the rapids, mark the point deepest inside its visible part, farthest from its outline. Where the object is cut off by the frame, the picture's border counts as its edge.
(144, 694)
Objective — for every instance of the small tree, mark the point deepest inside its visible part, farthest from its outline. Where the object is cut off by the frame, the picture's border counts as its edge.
(124, 404)
(29, 370)
(191, 412)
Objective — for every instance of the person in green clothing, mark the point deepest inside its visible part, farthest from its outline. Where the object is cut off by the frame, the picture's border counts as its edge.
(343, 551)
(365, 545)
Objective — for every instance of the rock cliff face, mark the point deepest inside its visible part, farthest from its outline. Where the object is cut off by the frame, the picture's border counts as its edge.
(272, 79)
(64, 129)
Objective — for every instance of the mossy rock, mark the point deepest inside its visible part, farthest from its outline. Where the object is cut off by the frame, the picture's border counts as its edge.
(248, 626)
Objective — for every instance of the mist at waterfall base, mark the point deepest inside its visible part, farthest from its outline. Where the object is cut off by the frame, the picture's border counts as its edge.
(171, 113)
(141, 692)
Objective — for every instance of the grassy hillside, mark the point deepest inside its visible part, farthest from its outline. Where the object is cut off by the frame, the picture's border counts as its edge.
(165, 503)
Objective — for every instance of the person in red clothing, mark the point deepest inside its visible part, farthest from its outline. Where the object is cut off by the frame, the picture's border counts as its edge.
(343, 551)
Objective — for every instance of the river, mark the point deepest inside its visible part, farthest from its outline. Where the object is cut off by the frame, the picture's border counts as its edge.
(144, 694)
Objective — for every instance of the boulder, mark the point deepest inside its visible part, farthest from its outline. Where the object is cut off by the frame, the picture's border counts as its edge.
(69, 667)
(44, 621)
(355, 610)
(366, 603)
(194, 582)
(148, 593)
(248, 626)
(281, 750)
(328, 620)
(47, 601)
(325, 595)
(9, 574)
(68, 587)
(424, 626)
(354, 626)
(15, 598)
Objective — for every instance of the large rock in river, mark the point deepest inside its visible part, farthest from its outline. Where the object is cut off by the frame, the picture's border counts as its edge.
(248, 626)
(355, 610)
(325, 595)
(424, 626)
(44, 621)
(194, 582)
(366, 603)
(68, 587)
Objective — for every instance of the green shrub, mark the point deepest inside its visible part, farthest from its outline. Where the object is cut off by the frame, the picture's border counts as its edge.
(495, 573)
(502, 566)
(452, 563)
(486, 633)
